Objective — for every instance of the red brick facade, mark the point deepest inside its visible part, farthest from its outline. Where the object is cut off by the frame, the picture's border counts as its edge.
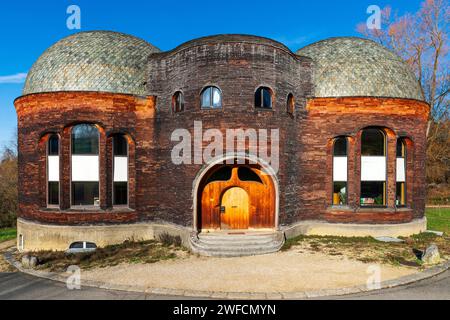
(162, 191)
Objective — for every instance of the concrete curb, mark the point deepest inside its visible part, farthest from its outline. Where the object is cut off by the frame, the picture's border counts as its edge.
(62, 277)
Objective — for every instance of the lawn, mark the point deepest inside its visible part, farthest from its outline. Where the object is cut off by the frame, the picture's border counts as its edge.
(439, 219)
(7, 234)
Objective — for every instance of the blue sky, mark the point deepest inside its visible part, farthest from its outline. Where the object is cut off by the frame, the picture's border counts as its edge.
(27, 28)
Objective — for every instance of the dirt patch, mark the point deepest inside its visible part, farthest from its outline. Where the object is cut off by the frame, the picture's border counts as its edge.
(128, 252)
(279, 272)
(369, 250)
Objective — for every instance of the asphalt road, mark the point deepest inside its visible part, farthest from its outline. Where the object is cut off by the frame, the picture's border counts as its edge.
(18, 286)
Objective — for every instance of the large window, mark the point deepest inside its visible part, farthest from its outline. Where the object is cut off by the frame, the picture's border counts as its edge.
(53, 171)
(263, 98)
(373, 168)
(211, 98)
(178, 102)
(400, 199)
(85, 165)
(120, 184)
(340, 171)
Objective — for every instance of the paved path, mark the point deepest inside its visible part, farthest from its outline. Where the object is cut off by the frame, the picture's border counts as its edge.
(435, 288)
(21, 286)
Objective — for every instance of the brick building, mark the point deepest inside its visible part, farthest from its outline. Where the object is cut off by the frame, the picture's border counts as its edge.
(101, 113)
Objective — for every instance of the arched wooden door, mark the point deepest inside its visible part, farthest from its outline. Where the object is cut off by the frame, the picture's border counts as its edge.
(234, 209)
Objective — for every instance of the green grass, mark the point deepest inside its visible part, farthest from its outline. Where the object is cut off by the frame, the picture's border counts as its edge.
(439, 219)
(7, 234)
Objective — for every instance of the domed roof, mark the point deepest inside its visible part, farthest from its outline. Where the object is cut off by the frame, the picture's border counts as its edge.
(352, 66)
(92, 61)
(230, 38)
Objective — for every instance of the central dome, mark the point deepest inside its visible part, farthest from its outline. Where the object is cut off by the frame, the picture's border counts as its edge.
(102, 61)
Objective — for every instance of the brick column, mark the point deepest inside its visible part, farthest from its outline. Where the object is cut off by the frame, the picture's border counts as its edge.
(103, 165)
(356, 185)
(109, 171)
(391, 168)
(131, 173)
(352, 172)
(65, 171)
(409, 172)
(42, 160)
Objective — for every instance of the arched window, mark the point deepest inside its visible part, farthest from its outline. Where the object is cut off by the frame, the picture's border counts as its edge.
(400, 199)
(263, 98)
(373, 168)
(178, 102)
(120, 174)
(340, 171)
(85, 165)
(211, 98)
(53, 171)
(290, 104)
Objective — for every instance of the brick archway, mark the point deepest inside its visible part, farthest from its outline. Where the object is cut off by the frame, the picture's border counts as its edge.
(263, 195)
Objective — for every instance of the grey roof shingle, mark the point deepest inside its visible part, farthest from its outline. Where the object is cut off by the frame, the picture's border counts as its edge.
(350, 66)
(92, 61)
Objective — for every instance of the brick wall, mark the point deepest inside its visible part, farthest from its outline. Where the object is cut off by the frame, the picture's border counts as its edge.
(160, 190)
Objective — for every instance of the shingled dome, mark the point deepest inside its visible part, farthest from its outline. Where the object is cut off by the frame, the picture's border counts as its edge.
(92, 61)
(359, 67)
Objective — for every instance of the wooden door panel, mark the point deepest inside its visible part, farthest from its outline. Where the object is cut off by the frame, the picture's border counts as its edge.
(235, 202)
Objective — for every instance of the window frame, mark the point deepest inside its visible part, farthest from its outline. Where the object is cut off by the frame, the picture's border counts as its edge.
(405, 164)
(178, 108)
(385, 182)
(127, 205)
(290, 104)
(211, 106)
(262, 89)
(332, 170)
(47, 185)
(72, 205)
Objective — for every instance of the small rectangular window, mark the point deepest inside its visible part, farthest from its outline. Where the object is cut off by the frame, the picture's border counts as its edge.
(53, 146)
(120, 193)
(85, 194)
(373, 193)
(53, 193)
(267, 99)
(339, 193)
(206, 98)
(120, 146)
(400, 199)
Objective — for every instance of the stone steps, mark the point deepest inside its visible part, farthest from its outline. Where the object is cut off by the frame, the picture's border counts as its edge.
(236, 245)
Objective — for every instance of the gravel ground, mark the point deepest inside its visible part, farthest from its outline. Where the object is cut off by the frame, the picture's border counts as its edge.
(292, 270)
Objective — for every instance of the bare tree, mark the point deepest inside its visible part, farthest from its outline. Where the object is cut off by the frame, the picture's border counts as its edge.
(421, 39)
(8, 184)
